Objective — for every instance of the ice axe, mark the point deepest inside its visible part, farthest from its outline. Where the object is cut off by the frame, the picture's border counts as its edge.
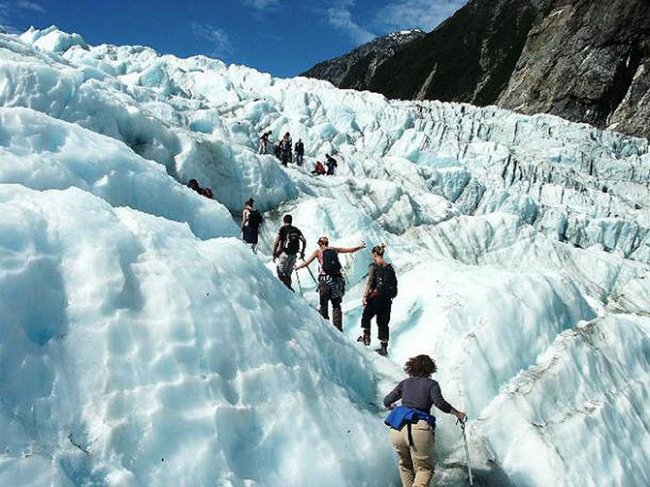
(469, 465)
(299, 285)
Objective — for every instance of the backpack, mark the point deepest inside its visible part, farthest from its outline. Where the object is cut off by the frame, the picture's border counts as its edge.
(386, 281)
(255, 218)
(331, 265)
(292, 241)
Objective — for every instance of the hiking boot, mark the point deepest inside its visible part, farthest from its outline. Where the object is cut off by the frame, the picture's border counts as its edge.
(383, 349)
(365, 339)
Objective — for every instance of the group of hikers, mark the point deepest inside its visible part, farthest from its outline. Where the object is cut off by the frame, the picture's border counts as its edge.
(285, 152)
(412, 427)
(290, 243)
(194, 184)
(283, 149)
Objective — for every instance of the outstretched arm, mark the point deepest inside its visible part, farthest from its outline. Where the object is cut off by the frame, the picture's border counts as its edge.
(309, 260)
(350, 250)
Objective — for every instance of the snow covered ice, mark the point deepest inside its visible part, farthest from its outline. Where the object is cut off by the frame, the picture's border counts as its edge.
(142, 343)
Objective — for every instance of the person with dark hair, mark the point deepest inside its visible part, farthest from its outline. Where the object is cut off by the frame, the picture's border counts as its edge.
(381, 289)
(300, 152)
(250, 224)
(412, 432)
(288, 244)
(319, 169)
(193, 184)
(331, 285)
(285, 149)
(331, 165)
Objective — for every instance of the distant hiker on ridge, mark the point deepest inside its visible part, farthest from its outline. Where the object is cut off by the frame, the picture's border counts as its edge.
(319, 169)
(264, 141)
(300, 152)
(378, 295)
(250, 224)
(285, 149)
(288, 244)
(331, 285)
(412, 430)
(331, 165)
(194, 184)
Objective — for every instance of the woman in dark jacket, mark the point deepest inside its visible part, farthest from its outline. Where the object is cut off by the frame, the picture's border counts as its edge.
(415, 445)
(381, 288)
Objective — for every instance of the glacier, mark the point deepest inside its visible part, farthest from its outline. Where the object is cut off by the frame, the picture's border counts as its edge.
(142, 343)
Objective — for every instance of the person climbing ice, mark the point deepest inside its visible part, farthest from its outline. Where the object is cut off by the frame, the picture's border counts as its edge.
(300, 152)
(380, 290)
(250, 224)
(331, 165)
(319, 169)
(412, 427)
(331, 284)
(288, 244)
(264, 141)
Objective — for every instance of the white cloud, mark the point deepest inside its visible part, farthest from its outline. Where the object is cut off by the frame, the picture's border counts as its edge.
(28, 5)
(261, 4)
(220, 44)
(340, 16)
(405, 14)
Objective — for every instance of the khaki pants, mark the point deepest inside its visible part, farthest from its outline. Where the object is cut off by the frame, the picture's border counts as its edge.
(417, 462)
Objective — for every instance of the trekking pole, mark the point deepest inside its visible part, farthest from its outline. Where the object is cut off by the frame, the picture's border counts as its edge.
(469, 466)
(312, 275)
(299, 285)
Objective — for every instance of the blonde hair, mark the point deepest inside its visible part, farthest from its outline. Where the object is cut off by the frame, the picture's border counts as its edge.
(379, 249)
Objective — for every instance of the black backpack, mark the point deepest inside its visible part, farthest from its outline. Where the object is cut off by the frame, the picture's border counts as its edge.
(292, 241)
(331, 265)
(386, 281)
(255, 218)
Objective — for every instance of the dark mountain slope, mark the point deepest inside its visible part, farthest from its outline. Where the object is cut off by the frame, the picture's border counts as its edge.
(355, 69)
(584, 60)
(468, 58)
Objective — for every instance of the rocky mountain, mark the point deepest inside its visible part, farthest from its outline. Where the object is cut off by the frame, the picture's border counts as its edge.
(355, 69)
(584, 60)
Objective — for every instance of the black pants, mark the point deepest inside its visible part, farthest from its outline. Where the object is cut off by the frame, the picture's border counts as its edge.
(379, 307)
(325, 294)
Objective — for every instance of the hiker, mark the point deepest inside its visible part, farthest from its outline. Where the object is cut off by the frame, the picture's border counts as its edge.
(194, 184)
(331, 165)
(277, 151)
(285, 149)
(207, 192)
(381, 289)
(250, 224)
(264, 141)
(300, 152)
(288, 244)
(414, 444)
(331, 285)
(319, 169)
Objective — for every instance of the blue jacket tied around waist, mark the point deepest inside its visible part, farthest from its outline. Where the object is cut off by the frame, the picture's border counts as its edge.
(402, 415)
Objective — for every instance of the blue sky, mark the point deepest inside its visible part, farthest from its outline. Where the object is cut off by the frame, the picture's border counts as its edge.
(284, 37)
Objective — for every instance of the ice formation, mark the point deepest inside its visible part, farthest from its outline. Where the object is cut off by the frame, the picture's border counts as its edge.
(143, 344)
